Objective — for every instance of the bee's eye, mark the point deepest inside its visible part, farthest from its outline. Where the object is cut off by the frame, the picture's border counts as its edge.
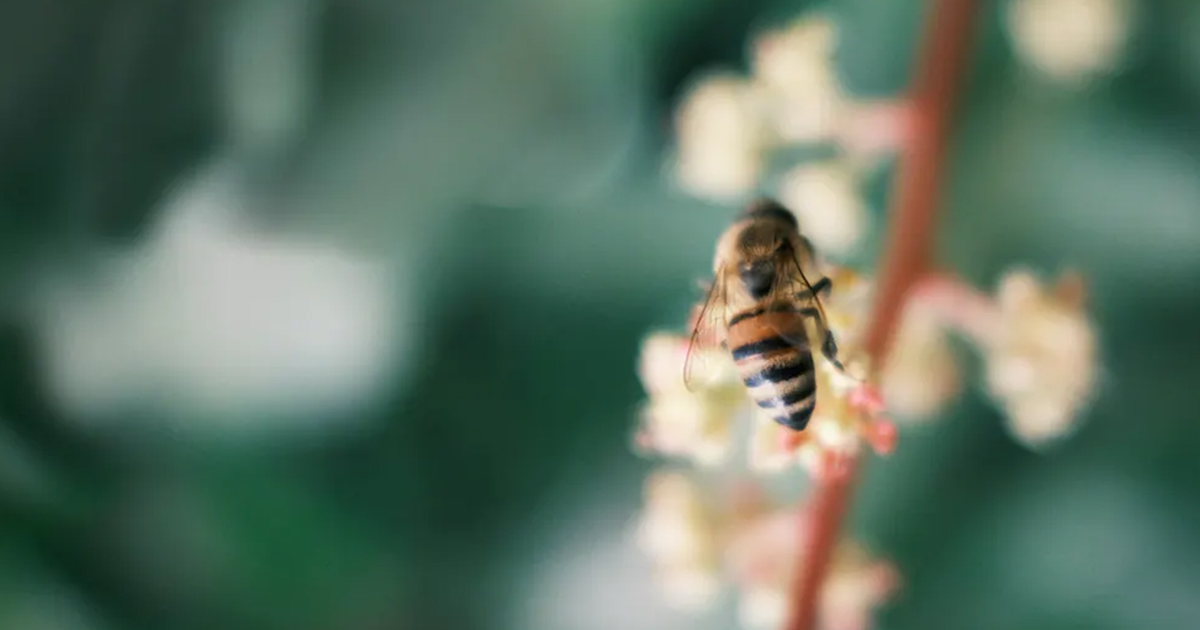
(758, 278)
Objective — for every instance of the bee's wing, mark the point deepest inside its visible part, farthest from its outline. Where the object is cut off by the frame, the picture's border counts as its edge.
(799, 281)
(708, 334)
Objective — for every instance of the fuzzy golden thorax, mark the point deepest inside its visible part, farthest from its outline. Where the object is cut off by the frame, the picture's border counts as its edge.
(761, 248)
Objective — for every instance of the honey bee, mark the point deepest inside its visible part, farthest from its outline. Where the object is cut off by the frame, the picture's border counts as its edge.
(759, 307)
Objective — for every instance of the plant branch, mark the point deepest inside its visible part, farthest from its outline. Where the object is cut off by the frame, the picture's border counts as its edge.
(950, 28)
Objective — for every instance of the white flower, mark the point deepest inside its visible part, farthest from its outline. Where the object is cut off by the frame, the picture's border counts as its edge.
(661, 365)
(688, 425)
(1042, 356)
(764, 554)
(796, 64)
(679, 422)
(770, 449)
(836, 432)
(690, 539)
(762, 607)
(660, 362)
(680, 535)
(858, 586)
(834, 435)
(828, 205)
(721, 141)
(1070, 40)
(920, 374)
(1038, 343)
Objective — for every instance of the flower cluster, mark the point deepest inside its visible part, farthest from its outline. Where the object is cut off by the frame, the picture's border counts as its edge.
(683, 423)
(682, 534)
(728, 126)
(1037, 341)
(696, 540)
(1040, 352)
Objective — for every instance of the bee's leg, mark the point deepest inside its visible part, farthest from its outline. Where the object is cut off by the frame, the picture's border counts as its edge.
(820, 288)
(829, 347)
(823, 286)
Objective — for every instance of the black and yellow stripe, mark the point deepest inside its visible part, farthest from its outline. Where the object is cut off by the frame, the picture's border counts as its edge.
(780, 374)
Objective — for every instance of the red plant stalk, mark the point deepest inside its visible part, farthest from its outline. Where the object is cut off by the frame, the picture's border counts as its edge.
(950, 28)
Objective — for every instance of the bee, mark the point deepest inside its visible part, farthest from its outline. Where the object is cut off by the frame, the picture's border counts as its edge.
(759, 308)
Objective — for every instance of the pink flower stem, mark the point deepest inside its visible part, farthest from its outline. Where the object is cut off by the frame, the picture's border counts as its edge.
(950, 29)
(956, 304)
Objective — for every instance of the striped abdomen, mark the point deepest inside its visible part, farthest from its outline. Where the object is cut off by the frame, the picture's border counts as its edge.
(770, 346)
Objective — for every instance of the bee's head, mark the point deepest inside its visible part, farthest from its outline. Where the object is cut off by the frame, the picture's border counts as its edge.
(759, 245)
(763, 250)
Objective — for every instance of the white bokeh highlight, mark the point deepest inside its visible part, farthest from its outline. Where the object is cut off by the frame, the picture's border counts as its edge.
(210, 317)
(1070, 41)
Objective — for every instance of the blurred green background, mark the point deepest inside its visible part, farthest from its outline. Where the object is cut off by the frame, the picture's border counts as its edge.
(462, 204)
